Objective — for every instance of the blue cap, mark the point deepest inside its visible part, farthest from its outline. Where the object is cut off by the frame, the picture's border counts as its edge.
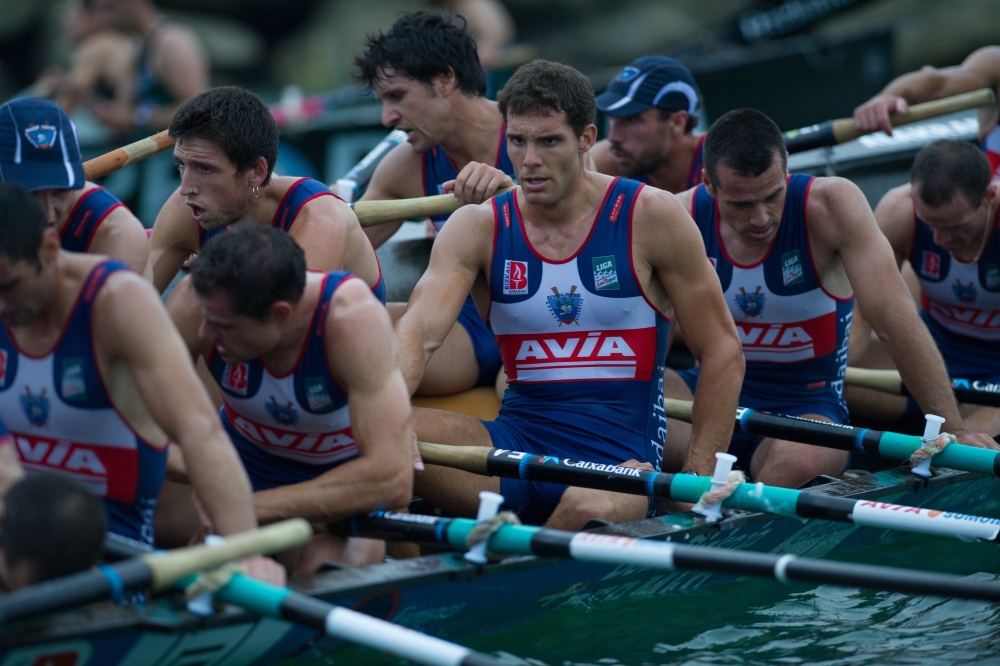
(647, 82)
(38, 146)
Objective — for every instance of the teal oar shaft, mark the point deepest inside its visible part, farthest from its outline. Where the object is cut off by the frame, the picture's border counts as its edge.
(265, 599)
(607, 549)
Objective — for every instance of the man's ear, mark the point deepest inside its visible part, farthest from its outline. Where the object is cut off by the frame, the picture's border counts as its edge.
(258, 173)
(445, 84)
(280, 312)
(588, 138)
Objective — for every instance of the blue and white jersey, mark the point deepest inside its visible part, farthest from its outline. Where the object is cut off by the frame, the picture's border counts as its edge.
(793, 331)
(58, 411)
(438, 169)
(583, 347)
(300, 419)
(960, 302)
(90, 211)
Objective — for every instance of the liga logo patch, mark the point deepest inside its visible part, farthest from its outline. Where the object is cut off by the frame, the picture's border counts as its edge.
(317, 395)
(991, 276)
(605, 274)
(236, 378)
(930, 266)
(515, 278)
(791, 268)
(73, 385)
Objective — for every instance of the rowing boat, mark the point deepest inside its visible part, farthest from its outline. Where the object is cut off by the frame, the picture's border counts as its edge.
(440, 594)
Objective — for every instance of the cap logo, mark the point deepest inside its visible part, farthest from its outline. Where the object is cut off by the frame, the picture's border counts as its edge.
(42, 136)
(627, 74)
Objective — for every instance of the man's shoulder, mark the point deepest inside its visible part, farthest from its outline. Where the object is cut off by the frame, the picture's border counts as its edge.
(603, 161)
(832, 195)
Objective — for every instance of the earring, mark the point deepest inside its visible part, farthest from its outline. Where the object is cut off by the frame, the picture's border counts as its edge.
(255, 191)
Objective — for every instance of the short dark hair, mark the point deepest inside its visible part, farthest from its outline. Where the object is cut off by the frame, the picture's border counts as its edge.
(54, 524)
(256, 266)
(947, 166)
(541, 87)
(689, 126)
(235, 119)
(746, 140)
(22, 222)
(423, 45)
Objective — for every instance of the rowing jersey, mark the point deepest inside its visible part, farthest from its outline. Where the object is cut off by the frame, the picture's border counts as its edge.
(960, 302)
(438, 169)
(298, 195)
(293, 427)
(583, 348)
(694, 173)
(62, 420)
(794, 333)
(91, 209)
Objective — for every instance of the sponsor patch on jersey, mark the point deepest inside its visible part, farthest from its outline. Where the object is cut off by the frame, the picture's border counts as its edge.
(627, 74)
(617, 208)
(791, 268)
(3, 367)
(506, 215)
(788, 342)
(316, 394)
(108, 471)
(515, 278)
(73, 385)
(751, 303)
(565, 307)
(930, 265)
(42, 136)
(991, 276)
(283, 414)
(812, 386)
(236, 377)
(575, 355)
(605, 274)
(36, 407)
(964, 292)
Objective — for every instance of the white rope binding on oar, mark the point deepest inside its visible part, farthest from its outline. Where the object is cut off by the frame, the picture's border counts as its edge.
(725, 481)
(482, 532)
(934, 442)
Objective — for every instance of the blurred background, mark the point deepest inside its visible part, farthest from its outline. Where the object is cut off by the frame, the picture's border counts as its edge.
(800, 61)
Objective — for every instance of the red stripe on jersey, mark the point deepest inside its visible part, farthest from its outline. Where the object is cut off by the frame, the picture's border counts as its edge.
(317, 448)
(789, 342)
(974, 322)
(108, 471)
(579, 355)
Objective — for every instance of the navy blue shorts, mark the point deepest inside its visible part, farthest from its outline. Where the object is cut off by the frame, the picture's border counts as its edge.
(957, 370)
(483, 343)
(778, 399)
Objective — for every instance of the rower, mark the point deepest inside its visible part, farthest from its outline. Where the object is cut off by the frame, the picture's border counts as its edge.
(427, 73)
(307, 366)
(980, 70)
(226, 147)
(789, 250)
(95, 381)
(651, 107)
(945, 222)
(39, 149)
(579, 271)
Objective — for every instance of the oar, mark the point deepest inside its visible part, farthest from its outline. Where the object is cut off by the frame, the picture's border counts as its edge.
(99, 167)
(832, 132)
(974, 392)
(607, 549)
(155, 571)
(690, 488)
(371, 213)
(890, 445)
(273, 601)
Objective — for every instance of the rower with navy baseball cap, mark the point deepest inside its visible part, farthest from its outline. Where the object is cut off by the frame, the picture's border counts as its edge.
(652, 106)
(39, 149)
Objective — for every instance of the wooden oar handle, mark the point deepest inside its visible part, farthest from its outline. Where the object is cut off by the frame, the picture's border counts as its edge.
(844, 129)
(169, 567)
(469, 458)
(682, 410)
(371, 213)
(887, 381)
(122, 157)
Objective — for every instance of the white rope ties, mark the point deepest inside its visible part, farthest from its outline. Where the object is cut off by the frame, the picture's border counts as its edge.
(483, 531)
(931, 448)
(212, 580)
(720, 493)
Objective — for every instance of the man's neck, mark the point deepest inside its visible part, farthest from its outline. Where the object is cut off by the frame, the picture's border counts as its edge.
(474, 135)
(672, 173)
(974, 247)
(580, 201)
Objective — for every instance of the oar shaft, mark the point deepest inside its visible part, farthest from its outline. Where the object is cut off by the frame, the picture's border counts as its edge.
(372, 213)
(972, 391)
(99, 167)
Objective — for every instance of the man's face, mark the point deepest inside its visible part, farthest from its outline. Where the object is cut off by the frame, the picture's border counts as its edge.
(641, 142)
(236, 337)
(413, 107)
(752, 207)
(26, 288)
(216, 194)
(546, 154)
(955, 224)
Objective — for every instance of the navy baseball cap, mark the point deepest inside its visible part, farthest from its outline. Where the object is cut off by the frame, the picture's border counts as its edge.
(38, 146)
(647, 82)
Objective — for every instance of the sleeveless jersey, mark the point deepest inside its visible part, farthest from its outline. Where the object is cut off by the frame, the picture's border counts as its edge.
(960, 301)
(792, 330)
(437, 169)
(298, 195)
(60, 416)
(88, 214)
(582, 346)
(694, 173)
(300, 418)
(991, 146)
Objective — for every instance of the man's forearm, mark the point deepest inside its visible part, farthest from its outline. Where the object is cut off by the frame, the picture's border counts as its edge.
(915, 86)
(217, 475)
(412, 357)
(715, 402)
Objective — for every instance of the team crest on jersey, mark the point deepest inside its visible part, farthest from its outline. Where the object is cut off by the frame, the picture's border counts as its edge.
(751, 303)
(515, 278)
(605, 274)
(73, 385)
(791, 268)
(36, 407)
(316, 395)
(627, 74)
(991, 276)
(964, 293)
(42, 136)
(930, 267)
(565, 307)
(283, 414)
(236, 377)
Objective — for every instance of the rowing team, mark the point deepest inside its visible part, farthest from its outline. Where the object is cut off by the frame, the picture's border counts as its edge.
(569, 283)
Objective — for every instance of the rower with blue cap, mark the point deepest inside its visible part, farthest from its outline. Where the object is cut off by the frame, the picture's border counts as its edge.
(39, 149)
(652, 109)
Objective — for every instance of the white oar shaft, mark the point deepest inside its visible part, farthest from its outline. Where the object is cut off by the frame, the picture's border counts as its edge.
(609, 549)
(393, 639)
(926, 521)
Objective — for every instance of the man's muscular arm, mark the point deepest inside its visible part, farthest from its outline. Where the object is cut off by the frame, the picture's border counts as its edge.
(398, 176)
(673, 248)
(600, 159)
(457, 259)
(121, 236)
(175, 237)
(363, 356)
(841, 219)
(322, 231)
